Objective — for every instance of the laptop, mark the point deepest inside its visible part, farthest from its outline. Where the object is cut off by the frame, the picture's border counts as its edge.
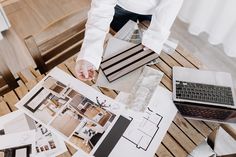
(204, 95)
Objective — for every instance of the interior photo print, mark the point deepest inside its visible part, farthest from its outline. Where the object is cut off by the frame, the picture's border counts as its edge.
(75, 117)
(45, 142)
(16, 144)
(48, 100)
(22, 151)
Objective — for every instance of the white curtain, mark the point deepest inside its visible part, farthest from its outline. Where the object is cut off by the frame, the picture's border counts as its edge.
(216, 17)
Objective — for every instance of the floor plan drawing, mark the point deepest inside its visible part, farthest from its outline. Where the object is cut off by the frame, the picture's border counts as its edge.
(141, 133)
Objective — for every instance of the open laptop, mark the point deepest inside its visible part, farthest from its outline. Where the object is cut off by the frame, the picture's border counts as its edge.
(205, 95)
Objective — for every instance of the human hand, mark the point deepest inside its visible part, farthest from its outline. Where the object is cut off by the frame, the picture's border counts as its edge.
(84, 70)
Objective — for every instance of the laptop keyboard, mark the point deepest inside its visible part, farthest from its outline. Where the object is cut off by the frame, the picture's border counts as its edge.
(201, 112)
(204, 92)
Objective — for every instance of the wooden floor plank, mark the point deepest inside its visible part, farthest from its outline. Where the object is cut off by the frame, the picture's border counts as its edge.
(173, 146)
(166, 81)
(163, 152)
(212, 125)
(4, 109)
(181, 138)
(189, 56)
(187, 128)
(36, 74)
(200, 126)
(64, 68)
(29, 83)
(70, 64)
(181, 60)
(168, 60)
(11, 99)
(22, 90)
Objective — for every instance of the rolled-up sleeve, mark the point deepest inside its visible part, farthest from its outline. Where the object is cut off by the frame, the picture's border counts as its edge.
(162, 19)
(97, 26)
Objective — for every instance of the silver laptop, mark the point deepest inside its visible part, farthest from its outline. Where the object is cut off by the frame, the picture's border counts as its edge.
(205, 95)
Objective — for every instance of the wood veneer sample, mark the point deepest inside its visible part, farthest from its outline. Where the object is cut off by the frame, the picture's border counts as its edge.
(126, 61)
(120, 56)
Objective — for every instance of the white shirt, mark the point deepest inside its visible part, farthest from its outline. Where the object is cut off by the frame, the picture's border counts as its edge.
(101, 14)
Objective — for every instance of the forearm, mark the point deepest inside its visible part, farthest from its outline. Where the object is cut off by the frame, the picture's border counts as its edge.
(97, 26)
(162, 20)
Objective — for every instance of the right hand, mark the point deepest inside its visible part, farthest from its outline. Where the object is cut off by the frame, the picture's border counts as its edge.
(85, 70)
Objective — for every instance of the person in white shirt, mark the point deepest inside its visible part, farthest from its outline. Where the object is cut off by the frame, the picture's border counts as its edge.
(162, 14)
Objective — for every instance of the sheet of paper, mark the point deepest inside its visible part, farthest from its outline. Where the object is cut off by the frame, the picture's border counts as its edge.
(17, 139)
(19, 144)
(147, 129)
(202, 150)
(46, 143)
(126, 82)
(223, 138)
(71, 109)
(126, 31)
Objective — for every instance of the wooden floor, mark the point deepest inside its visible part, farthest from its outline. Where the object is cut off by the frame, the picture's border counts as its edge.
(28, 17)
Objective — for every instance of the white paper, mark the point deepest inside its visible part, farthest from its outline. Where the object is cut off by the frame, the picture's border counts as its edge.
(147, 129)
(17, 122)
(71, 109)
(224, 143)
(202, 150)
(17, 139)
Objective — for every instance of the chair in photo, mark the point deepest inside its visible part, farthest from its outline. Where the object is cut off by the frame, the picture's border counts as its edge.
(7, 80)
(58, 41)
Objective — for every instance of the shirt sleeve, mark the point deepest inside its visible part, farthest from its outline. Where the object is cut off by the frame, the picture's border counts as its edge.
(162, 20)
(97, 26)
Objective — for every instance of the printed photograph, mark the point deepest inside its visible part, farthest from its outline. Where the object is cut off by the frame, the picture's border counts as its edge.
(78, 110)
(46, 103)
(22, 151)
(45, 142)
(77, 118)
(87, 135)
(44, 139)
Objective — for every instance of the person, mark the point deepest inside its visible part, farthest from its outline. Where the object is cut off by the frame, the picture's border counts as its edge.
(162, 14)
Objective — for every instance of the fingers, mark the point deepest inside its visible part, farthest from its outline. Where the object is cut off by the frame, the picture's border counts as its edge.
(85, 71)
(86, 75)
